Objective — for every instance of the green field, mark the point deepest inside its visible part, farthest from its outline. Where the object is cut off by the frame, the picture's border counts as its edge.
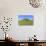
(25, 22)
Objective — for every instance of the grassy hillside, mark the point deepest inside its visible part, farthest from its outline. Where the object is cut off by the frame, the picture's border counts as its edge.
(25, 22)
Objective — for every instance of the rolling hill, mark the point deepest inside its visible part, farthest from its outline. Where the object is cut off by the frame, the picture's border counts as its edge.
(25, 22)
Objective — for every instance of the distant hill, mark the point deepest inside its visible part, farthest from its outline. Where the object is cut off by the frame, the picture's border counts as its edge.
(25, 22)
(26, 19)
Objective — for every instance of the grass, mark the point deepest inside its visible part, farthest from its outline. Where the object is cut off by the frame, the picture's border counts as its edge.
(25, 22)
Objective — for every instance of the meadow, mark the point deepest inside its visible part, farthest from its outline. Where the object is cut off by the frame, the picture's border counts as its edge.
(25, 22)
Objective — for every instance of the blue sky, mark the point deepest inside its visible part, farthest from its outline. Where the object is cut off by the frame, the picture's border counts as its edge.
(20, 17)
